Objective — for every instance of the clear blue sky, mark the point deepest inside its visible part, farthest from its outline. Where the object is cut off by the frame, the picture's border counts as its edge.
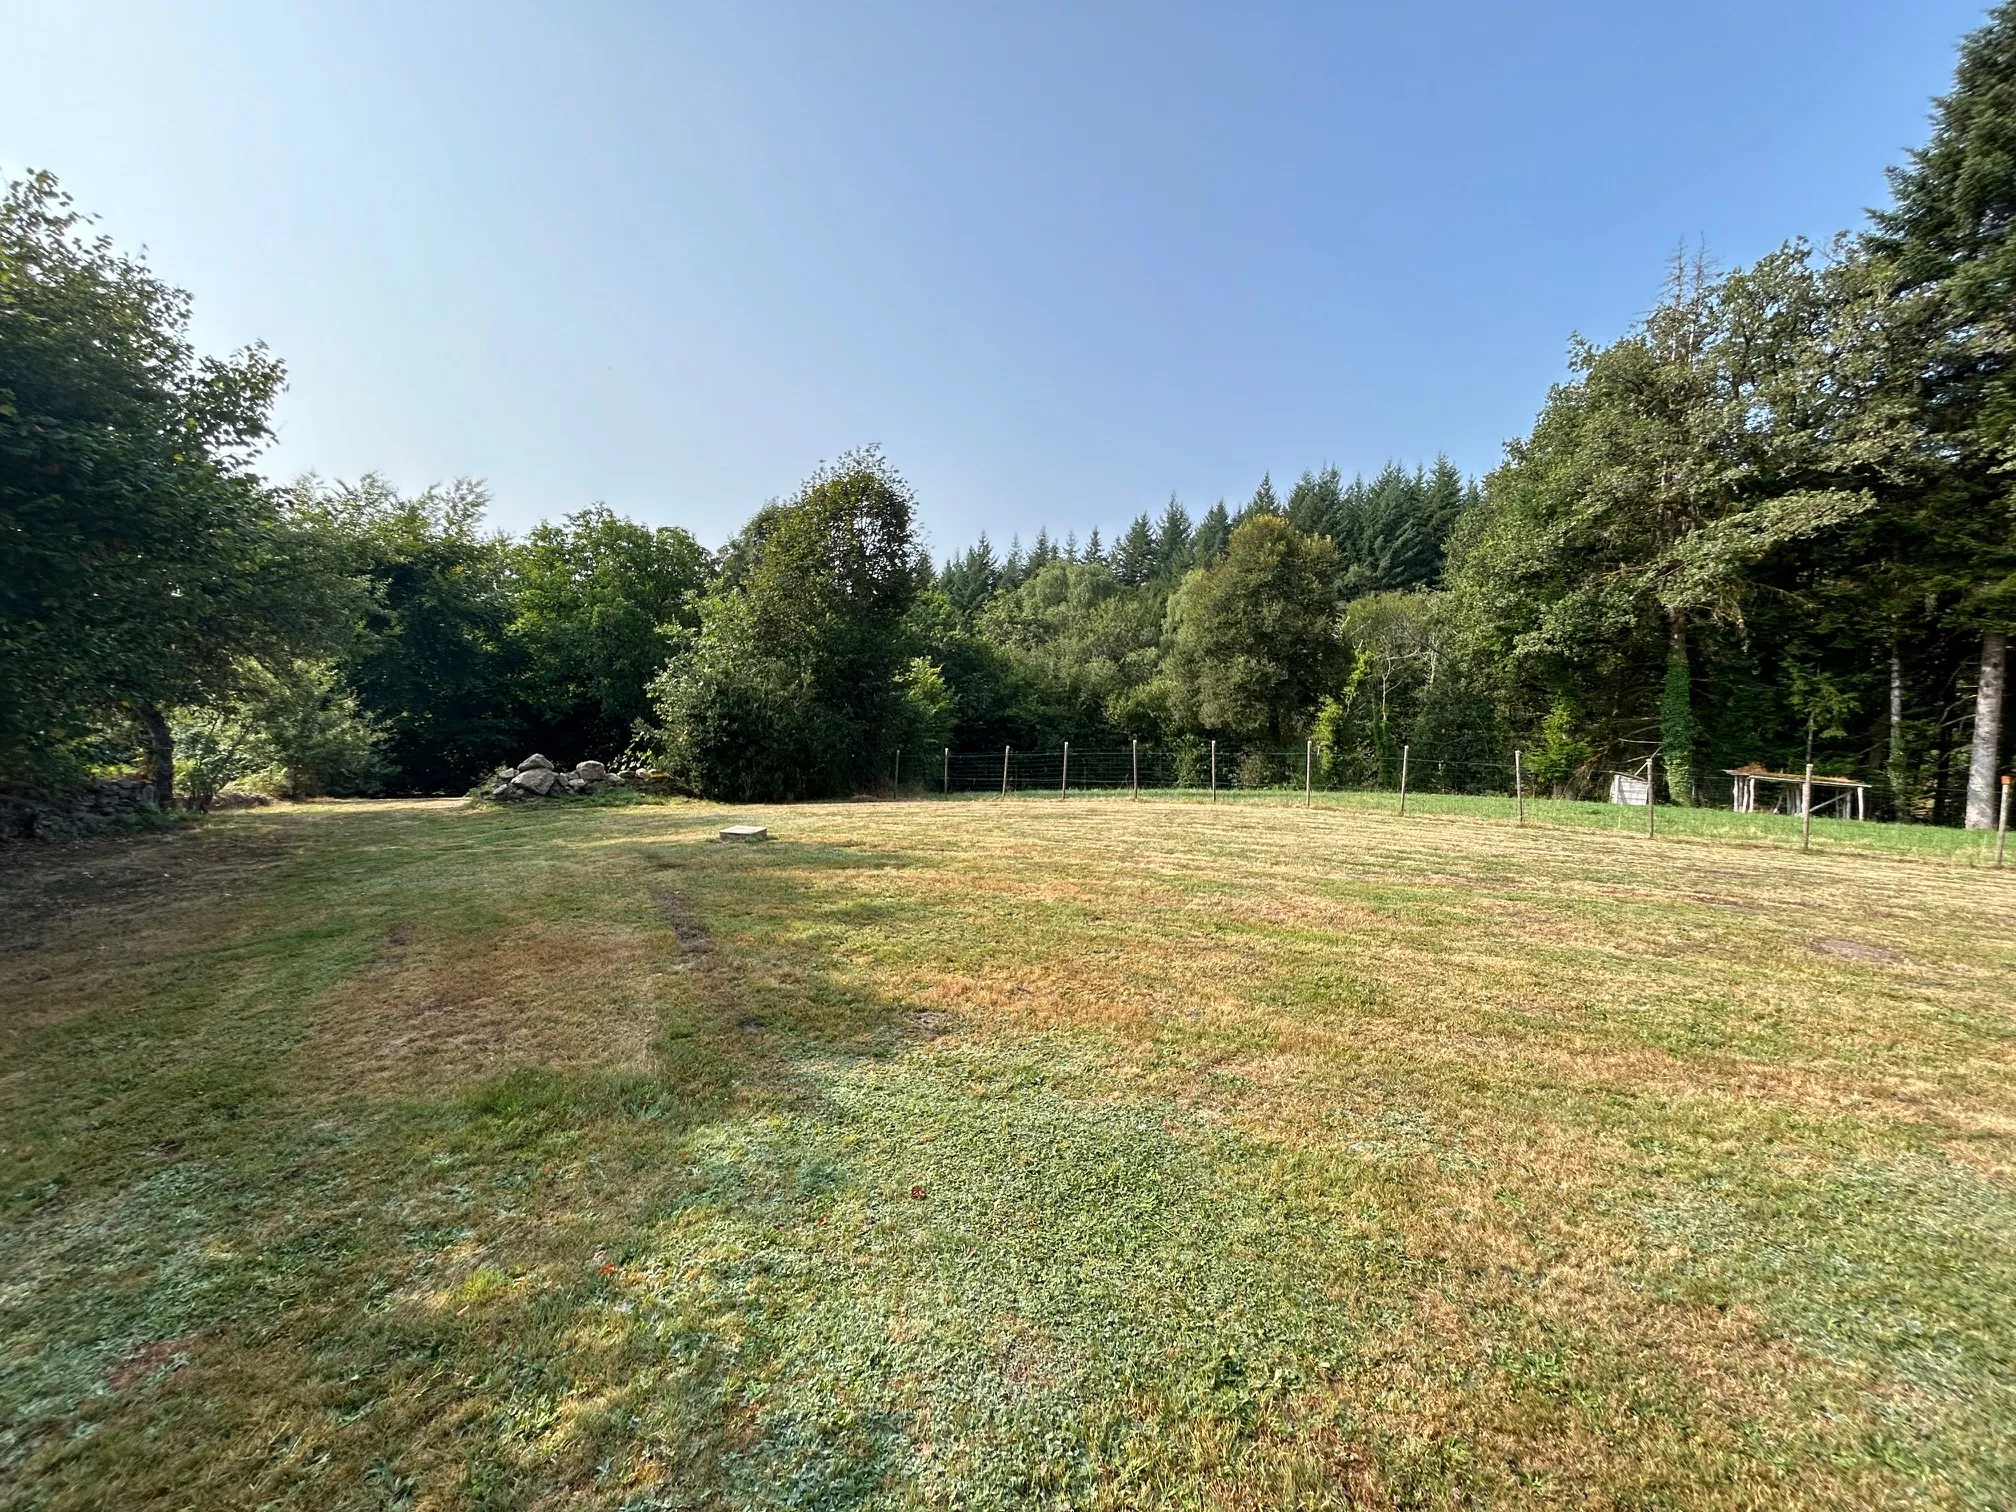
(1058, 261)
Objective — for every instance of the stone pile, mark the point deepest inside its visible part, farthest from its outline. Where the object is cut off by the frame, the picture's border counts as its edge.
(536, 777)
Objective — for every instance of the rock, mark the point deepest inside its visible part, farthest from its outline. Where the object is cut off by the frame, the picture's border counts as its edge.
(639, 780)
(592, 771)
(536, 780)
(535, 763)
(568, 782)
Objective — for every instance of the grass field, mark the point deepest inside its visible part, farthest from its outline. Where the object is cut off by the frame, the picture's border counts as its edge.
(969, 1154)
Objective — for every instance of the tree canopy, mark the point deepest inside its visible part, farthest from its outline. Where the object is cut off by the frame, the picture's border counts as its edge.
(140, 556)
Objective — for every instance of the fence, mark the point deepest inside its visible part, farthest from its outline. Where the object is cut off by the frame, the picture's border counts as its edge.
(1211, 767)
(1211, 771)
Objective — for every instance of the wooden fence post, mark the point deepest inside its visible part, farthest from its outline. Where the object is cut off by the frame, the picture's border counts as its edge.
(1137, 769)
(1004, 772)
(899, 771)
(2002, 824)
(1308, 773)
(1518, 787)
(1214, 771)
(1403, 779)
(1064, 783)
(1806, 810)
(1652, 796)
(948, 771)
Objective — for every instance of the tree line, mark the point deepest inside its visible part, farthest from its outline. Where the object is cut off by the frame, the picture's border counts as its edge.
(1772, 522)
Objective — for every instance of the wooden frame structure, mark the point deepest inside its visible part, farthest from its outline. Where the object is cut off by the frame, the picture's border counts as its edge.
(1846, 797)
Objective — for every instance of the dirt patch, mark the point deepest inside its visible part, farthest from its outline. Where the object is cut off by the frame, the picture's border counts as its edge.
(542, 995)
(683, 922)
(1851, 950)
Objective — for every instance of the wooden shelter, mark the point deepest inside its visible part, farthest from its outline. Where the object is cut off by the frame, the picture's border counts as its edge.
(1784, 792)
(1634, 787)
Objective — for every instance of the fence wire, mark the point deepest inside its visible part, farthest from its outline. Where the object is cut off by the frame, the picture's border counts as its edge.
(1231, 768)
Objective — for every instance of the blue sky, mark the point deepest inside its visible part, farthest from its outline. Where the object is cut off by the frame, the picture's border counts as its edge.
(1058, 261)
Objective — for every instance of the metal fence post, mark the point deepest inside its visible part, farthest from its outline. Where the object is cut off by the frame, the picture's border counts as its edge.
(1214, 771)
(948, 771)
(1004, 772)
(898, 784)
(1806, 810)
(1403, 778)
(1308, 773)
(1064, 784)
(1518, 787)
(1651, 797)
(1137, 770)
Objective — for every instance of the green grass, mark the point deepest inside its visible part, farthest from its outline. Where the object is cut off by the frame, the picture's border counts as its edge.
(1093, 1154)
(1964, 847)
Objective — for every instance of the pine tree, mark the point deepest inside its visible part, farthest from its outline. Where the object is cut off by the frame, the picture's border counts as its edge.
(1095, 554)
(1263, 501)
(1208, 541)
(1445, 496)
(970, 579)
(1316, 503)
(1172, 542)
(1134, 557)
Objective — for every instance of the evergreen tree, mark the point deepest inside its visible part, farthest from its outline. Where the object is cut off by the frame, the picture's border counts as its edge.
(1134, 558)
(1214, 530)
(1951, 233)
(969, 579)
(1263, 501)
(1445, 497)
(1172, 542)
(1316, 503)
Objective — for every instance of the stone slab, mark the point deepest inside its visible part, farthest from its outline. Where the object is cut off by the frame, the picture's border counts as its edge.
(746, 832)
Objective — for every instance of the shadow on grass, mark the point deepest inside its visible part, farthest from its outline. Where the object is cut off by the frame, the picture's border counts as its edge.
(367, 1273)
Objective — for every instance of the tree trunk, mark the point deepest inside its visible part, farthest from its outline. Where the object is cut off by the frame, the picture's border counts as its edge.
(1676, 713)
(1897, 767)
(160, 755)
(1985, 757)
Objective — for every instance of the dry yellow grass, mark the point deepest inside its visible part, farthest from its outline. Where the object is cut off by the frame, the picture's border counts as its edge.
(425, 1156)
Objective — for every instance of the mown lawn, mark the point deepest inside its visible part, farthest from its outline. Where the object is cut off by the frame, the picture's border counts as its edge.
(1084, 1153)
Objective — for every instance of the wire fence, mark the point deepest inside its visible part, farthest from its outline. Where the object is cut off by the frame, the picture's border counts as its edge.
(1226, 767)
(1208, 767)
(1213, 771)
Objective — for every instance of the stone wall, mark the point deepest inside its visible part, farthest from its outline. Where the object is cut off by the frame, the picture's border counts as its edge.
(106, 803)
